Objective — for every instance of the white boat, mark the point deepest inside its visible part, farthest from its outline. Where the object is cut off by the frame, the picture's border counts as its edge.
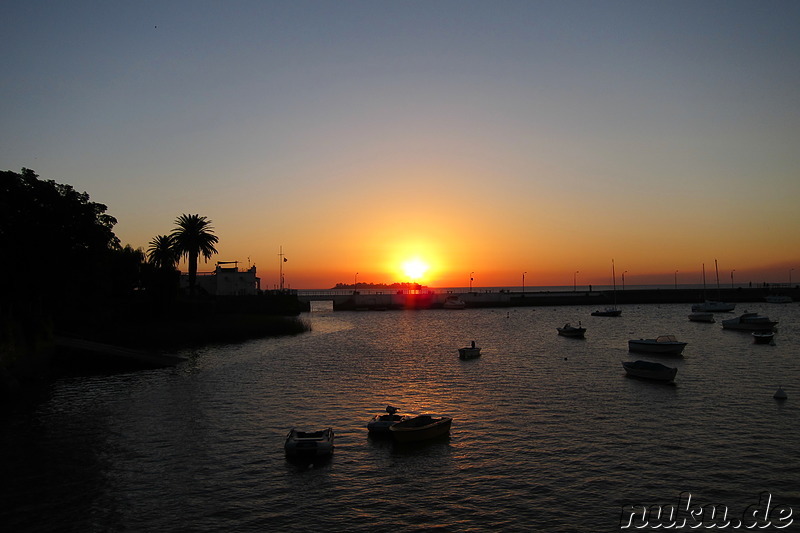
(422, 427)
(454, 302)
(380, 424)
(779, 299)
(749, 322)
(701, 316)
(469, 352)
(571, 331)
(712, 306)
(663, 344)
(649, 370)
(611, 311)
(309, 444)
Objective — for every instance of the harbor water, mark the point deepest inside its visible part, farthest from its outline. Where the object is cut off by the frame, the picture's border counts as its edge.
(548, 432)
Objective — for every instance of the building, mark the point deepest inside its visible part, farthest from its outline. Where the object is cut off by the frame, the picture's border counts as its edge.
(227, 280)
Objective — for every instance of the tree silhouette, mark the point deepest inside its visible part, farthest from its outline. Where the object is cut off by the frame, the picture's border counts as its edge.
(193, 237)
(162, 254)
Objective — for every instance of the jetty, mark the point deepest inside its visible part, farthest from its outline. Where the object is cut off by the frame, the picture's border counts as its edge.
(348, 300)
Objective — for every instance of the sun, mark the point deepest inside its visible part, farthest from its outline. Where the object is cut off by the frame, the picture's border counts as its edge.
(415, 269)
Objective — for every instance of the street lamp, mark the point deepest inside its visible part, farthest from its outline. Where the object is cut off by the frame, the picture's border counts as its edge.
(623, 280)
(355, 283)
(732, 271)
(470, 281)
(523, 282)
(575, 281)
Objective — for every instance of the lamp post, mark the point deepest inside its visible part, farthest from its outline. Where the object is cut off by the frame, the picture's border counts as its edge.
(732, 271)
(575, 281)
(676, 280)
(355, 283)
(623, 280)
(523, 282)
(470, 281)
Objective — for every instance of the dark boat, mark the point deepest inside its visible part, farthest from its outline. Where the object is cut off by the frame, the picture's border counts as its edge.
(649, 370)
(422, 427)
(571, 331)
(380, 424)
(309, 444)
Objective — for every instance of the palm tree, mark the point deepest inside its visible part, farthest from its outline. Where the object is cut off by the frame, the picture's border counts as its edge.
(193, 237)
(161, 253)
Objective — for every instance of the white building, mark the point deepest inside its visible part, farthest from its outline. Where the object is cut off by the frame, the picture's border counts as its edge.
(227, 280)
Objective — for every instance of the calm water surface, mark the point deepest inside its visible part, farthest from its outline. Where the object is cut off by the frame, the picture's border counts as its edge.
(548, 433)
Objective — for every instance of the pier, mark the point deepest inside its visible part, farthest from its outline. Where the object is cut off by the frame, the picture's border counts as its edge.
(434, 299)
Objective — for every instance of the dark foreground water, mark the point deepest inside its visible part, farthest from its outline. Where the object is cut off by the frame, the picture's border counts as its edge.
(548, 433)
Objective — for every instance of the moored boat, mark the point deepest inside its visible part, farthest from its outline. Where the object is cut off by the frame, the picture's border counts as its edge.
(380, 424)
(712, 306)
(702, 316)
(469, 352)
(608, 311)
(749, 322)
(663, 344)
(309, 444)
(571, 331)
(422, 427)
(778, 299)
(763, 337)
(454, 302)
(649, 370)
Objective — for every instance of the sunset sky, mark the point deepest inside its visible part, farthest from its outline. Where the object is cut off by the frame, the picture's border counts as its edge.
(502, 137)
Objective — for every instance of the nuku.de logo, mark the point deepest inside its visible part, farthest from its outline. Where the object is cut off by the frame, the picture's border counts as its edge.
(685, 514)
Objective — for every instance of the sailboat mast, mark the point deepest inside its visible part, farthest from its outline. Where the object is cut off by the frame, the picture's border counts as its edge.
(614, 282)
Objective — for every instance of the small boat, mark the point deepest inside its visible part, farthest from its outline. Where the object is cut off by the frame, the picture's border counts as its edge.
(422, 427)
(763, 337)
(749, 322)
(469, 352)
(649, 370)
(309, 444)
(380, 424)
(608, 311)
(571, 331)
(702, 316)
(454, 302)
(663, 344)
(779, 299)
(712, 306)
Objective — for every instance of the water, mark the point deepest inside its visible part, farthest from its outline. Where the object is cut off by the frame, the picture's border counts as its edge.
(548, 433)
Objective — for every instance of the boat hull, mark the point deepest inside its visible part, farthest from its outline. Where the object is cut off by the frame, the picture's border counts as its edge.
(469, 353)
(655, 347)
(572, 332)
(749, 322)
(702, 316)
(608, 312)
(761, 337)
(650, 370)
(380, 424)
(421, 428)
(710, 306)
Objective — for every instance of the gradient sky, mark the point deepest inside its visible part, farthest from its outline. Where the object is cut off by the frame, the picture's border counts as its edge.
(493, 137)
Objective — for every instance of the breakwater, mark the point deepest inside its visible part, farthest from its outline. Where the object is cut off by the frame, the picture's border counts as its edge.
(433, 299)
